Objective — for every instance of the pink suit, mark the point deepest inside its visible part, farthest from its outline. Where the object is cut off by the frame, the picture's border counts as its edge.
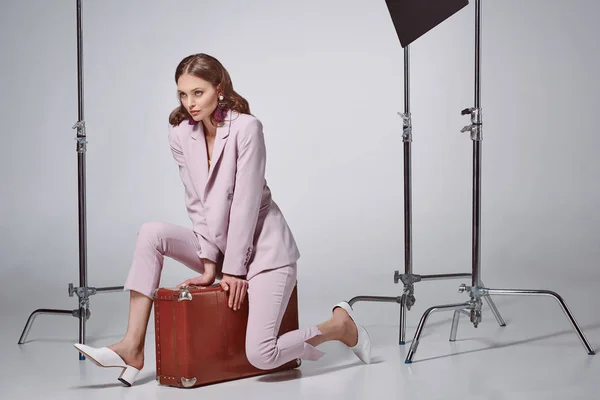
(236, 224)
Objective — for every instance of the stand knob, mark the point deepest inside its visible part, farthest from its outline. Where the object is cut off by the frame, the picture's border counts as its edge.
(475, 317)
(462, 288)
(410, 301)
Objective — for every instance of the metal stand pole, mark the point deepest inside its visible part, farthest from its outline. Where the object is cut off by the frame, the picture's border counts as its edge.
(407, 300)
(84, 292)
(477, 291)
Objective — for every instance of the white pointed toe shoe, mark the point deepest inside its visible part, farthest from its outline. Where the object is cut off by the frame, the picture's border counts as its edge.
(105, 357)
(362, 348)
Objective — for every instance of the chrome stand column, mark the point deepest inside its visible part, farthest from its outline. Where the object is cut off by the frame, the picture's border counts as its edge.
(83, 292)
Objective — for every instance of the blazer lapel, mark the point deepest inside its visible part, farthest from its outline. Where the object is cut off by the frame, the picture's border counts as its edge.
(220, 140)
(197, 160)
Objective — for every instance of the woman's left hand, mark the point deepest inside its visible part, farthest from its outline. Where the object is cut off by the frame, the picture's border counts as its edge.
(237, 288)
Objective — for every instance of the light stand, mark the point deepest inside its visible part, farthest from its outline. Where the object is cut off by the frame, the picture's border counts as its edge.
(84, 292)
(407, 300)
(477, 291)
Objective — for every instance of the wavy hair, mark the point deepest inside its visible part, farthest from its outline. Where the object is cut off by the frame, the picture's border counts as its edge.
(211, 70)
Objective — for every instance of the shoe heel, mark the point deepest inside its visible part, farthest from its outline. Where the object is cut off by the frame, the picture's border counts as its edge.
(128, 375)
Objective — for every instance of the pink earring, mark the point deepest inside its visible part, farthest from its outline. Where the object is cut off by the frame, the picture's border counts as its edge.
(221, 110)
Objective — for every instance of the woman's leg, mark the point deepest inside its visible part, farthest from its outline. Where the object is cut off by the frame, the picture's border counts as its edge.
(155, 241)
(268, 296)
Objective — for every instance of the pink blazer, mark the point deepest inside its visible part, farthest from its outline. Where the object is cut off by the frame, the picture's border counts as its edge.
(236, 221)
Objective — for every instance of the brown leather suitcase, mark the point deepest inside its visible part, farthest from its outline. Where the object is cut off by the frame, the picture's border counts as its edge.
(201, 341)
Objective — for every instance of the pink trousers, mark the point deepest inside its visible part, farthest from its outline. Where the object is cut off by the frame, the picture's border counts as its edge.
(268, 294)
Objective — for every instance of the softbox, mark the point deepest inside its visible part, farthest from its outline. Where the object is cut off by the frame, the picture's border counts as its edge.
(413, 18)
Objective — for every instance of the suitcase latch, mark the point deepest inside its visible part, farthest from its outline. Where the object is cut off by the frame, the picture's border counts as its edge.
(184, 295)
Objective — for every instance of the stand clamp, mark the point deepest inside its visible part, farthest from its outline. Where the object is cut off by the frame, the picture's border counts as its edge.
(81, 138)
(406, 127)
(407, 279)
(84, 301)
(476, 123)
(475, 302)
(409, 289)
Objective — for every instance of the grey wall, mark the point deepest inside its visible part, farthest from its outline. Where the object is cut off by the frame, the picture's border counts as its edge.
(325, 77)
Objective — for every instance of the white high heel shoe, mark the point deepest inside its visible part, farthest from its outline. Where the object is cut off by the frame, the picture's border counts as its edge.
(362, 348)
(106, 358)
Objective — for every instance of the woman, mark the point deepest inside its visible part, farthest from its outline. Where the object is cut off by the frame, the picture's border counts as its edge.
(238, 234)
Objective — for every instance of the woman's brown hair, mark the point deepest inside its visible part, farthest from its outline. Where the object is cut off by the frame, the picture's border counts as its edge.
(211, 70)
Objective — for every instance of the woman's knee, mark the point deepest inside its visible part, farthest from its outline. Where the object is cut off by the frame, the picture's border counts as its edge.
(152, 232)
(262, 357)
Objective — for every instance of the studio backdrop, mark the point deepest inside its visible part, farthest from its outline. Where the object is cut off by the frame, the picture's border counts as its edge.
(326, 79)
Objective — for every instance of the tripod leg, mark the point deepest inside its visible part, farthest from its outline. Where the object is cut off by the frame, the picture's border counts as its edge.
(454, 329)
(492, 305)
(426, 314)
(386, 299)
(558, 298)
(495, 311)
(455, 321)
(402, 328)
(82, 320)
(379, 299)
(34, 315)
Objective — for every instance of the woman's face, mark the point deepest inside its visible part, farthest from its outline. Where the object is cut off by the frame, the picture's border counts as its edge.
(199, 97)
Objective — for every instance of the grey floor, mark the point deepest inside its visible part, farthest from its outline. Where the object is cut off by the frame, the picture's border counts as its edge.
(536, 356)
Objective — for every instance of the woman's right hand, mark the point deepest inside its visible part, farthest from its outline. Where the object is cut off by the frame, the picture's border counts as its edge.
(206, 279)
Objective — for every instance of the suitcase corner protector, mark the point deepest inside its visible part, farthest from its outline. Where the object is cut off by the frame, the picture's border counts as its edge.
(188, 382)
